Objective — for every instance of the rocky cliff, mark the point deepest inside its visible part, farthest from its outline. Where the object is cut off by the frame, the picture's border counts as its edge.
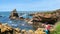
(46, 17)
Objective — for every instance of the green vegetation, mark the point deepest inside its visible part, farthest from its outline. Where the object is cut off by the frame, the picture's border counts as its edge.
(57, 28)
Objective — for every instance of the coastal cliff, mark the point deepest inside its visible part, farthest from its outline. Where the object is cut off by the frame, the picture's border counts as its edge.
(50, 17)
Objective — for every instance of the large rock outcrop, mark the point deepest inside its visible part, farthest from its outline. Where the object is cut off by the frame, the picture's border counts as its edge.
(45, 17)
(14, 14)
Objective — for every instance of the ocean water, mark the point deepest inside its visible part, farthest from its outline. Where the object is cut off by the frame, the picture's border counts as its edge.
(15, 23)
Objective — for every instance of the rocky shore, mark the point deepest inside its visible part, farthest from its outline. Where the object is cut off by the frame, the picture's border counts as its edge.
(39, 18)
(50, 17)
(6, 29)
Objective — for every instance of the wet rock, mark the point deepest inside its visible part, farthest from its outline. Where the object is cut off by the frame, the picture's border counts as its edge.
(31, 14)
(27, 19)
(21, 18)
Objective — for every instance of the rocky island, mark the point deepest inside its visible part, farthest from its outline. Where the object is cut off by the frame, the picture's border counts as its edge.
(14, 15)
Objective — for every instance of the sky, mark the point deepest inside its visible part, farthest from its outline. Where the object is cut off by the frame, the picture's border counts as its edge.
(29, 5)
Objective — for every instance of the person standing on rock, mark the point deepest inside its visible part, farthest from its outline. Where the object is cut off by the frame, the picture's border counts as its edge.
(47, 28)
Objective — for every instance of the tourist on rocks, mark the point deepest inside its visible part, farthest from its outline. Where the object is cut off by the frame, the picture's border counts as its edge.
(47, 28)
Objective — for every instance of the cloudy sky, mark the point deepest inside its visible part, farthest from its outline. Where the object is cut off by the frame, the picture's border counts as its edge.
(29, 5)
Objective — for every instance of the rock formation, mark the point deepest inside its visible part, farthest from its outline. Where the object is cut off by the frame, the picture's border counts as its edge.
(45, 17)
(6, 29)
(21, 18)
(14, 14)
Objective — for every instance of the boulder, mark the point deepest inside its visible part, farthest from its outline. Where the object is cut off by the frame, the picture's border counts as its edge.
(21, 18)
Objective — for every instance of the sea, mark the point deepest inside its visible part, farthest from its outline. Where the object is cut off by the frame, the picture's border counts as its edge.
(4, 18)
